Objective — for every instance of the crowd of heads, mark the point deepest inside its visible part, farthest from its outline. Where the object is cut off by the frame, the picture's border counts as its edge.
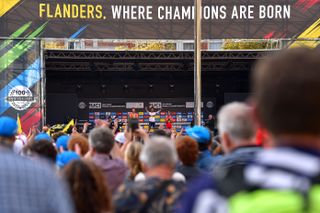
(137, 171)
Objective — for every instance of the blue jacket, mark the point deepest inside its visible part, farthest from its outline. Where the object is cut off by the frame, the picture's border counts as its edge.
(240, 156)
(206, 161)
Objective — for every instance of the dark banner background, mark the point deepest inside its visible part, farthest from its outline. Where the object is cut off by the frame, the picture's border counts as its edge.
(303, 15)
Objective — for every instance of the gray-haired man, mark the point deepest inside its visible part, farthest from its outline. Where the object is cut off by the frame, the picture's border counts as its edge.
(236, 126)
(159, 191)
(237, 130)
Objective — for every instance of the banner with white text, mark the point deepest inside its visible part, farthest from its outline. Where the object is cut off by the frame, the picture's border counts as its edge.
(159, 19)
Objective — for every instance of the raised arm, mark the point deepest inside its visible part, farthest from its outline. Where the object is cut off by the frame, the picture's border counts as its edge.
(85, 127)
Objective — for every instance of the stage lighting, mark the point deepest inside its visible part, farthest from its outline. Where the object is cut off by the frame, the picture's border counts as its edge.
(171, 87)
(103, 88)
(150, 87)
(126, 88)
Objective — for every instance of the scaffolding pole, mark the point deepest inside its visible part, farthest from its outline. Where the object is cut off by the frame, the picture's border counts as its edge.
(197, 62)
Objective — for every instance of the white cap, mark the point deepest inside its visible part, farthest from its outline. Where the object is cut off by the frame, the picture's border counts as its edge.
(120, 138)
(20, 142)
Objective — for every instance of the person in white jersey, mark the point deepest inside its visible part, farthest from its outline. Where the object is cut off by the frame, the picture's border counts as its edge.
(152, 117)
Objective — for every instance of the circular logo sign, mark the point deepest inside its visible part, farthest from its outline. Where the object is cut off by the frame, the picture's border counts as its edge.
(210, 104)
(82, 105)
(20, 98)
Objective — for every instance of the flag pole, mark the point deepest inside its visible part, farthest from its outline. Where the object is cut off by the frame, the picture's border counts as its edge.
(197, 62)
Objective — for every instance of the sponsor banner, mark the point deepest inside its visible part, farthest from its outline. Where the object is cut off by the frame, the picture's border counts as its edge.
(20, 85)
(181, 114)
(156, 105)
(20, 71)
(136, 105)
(190, 104)
(160, 19)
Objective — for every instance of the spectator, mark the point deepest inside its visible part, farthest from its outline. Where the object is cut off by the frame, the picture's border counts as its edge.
(56, 135)
(132, 154)
(120, 139)
(20, 142)
(188, 152)
(46, 128)
(158, 192)
(238, 130)
(211, 123)
(43, 148)
(101, 141)
(85, 135)
(42, 136)
(8, 131)
(285, 177)
(66, 157)
(216, 148)
(78, 144)
(62, 143)
(89, 191)
(160, 132)
(202, 135)
(27, 186)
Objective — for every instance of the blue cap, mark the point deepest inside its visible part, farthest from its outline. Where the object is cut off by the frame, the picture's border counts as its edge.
(8, 126)
(199, 133)
(42, 136)
(66, 157)
(62, 141)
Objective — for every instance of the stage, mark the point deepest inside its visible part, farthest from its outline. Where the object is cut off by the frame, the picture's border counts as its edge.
(96, 84)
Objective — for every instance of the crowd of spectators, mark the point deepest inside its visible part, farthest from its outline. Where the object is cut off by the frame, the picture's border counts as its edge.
(236, 170)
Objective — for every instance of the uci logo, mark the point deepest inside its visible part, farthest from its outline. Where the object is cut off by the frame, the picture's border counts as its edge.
(94, 105)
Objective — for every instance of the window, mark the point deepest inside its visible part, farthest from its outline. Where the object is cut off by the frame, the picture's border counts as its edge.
(216, 45)
(188, 46)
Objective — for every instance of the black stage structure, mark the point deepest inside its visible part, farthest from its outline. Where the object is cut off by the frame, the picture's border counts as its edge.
(73, 75)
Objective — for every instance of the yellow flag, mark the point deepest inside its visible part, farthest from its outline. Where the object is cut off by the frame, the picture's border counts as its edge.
(19, 131)
(71, 123)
